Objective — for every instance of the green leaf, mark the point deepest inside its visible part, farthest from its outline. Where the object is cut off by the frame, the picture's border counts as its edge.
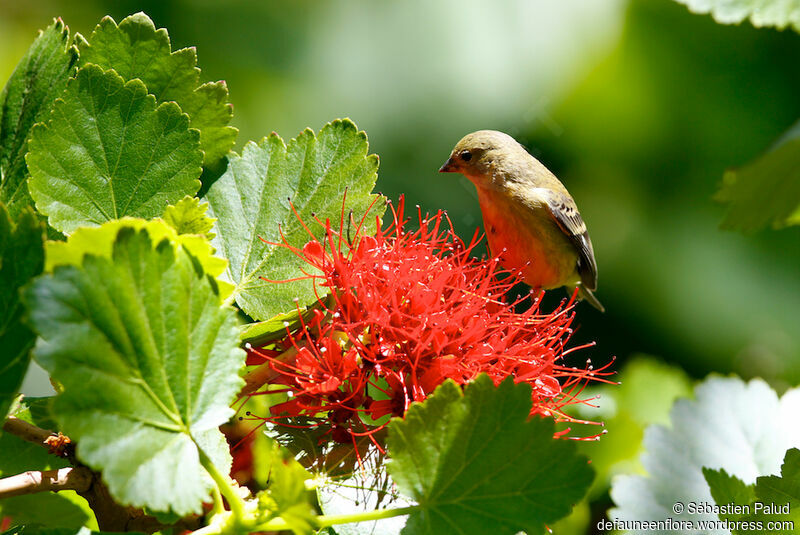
(251, 201)
(743, 428)
(188, 216)
(777, 13)
(39, 78)
(36, 411)
(727, 489)
(21, 259)
(107, 152)
(135, 49)
(777, 499)
(766, 191)
(476, 464)
(287, 496)
(99, 241)
(263, 332)
(772, 505)
(46, 509)
(149, 361)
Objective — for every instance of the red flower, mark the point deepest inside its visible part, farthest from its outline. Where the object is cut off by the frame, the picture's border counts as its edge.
(406, 311)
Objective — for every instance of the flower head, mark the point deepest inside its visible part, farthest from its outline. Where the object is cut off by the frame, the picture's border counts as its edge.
(405, 310)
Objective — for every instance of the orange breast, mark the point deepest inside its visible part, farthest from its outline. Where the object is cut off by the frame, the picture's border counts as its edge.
(528, 240)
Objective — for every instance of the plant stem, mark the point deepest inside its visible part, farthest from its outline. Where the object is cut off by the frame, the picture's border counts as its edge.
(229, 301)
(77, 479)
(27, 431)
(330, 520)
(219, 507)
(216, 526)
(378, 514)
(224, 485)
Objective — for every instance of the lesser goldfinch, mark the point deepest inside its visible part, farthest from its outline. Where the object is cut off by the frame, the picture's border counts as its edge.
(531, 220)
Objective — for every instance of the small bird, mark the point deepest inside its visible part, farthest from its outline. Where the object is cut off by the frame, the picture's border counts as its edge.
(531, 220)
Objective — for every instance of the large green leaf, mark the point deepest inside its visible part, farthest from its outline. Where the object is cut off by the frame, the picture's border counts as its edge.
(21, 259)
(778, 13)
(149, 360)
(39, 78)
(766, 191)
(251, 200)
(107, 151)
(135, 49)
(476, 464)
(742, 428)
(99, 241)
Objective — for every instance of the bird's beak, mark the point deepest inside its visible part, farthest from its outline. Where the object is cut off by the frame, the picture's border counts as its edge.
(448, 167)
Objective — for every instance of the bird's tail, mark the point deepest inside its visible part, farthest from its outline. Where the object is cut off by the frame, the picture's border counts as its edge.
(586, 293)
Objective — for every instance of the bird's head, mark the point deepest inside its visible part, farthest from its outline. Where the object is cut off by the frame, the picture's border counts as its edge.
(478, 154)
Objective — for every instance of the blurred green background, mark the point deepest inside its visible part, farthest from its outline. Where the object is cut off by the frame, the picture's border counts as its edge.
(637, 106)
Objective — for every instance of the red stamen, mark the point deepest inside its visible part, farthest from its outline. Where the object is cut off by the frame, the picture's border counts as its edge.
(409, 310)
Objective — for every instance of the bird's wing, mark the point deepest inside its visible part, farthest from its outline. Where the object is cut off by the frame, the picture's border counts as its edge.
(565, 213)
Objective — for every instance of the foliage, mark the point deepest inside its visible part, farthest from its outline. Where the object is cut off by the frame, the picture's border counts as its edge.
(142, 311)
(145, 329)
(766, 191)
(728, 489)
(21, 258)
(26, 99)
(188, 216)
(460, 465)
(99, 241)
(287, 497)
(135, 49)
(731, 425)
(107, 151)
(770, 499)
(266, 192)
(136, 312)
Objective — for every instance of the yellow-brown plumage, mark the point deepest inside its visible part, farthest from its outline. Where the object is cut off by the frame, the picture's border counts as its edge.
(531, 220)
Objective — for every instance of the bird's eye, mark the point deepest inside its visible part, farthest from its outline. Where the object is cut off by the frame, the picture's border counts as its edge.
(465, 155)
